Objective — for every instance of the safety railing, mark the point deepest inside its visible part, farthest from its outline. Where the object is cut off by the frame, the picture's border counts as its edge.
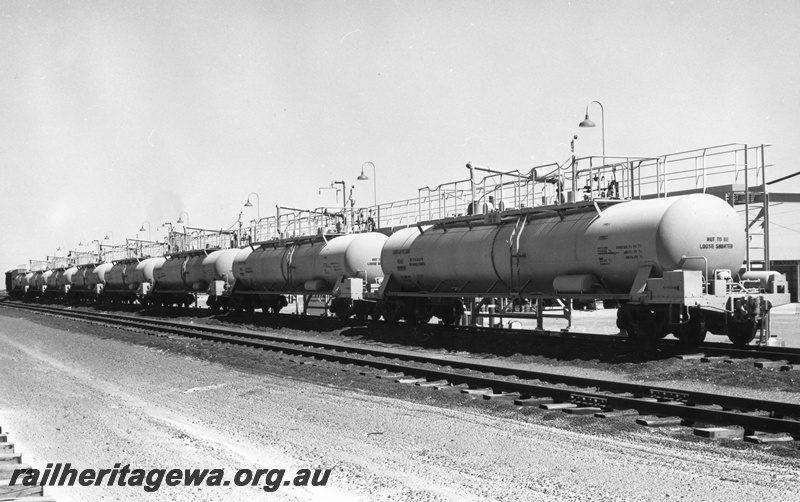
(733, 166)
(200, 238)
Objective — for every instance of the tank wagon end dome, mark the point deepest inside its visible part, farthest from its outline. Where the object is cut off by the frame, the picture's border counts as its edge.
(701, 225)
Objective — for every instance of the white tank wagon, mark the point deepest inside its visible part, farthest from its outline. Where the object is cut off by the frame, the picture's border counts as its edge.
(334, 266)
(218, 274)
(78, 281)
(95, 279)
(124, 279)
(52, 281)
(179, 278)
(28, 281)
(671, 260)
(78, 288)
(143, 278)
(34, 284)
(41, 280)
(66, 280)
(58, 286)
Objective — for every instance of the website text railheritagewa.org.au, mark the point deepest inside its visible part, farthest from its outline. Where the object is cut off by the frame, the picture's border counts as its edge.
(152, 480)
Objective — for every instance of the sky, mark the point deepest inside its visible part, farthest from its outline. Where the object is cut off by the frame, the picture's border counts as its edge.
(116, 115)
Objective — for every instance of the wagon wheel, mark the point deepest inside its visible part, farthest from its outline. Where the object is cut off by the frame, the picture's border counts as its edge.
(375, 312)
(692, 332)
(642, 324)
(449, 317)
(423, 317)
(392, 311)
(451, 314)
(742, 333)
(343, 312)
(362, 311)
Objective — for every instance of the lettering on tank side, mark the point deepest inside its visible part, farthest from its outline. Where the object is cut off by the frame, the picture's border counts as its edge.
(604, 254)
(628, 251)
(332, 267)
(722, 242)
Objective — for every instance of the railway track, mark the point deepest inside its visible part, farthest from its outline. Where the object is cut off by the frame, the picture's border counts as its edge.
(526, 341)
(712, 415)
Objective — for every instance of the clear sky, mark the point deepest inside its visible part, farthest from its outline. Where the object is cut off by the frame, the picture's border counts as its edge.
(113, 113)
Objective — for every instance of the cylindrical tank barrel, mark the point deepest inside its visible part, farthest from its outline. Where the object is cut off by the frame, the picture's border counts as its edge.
(693, 232)
(218, 266)
(144, 271)
(292, 266)
(44, 279)
(169, 274)
(96, 274)
(193, 273)
(115, 277)
(180, 272)
(68, 278)
(19, 282)
(79, 278)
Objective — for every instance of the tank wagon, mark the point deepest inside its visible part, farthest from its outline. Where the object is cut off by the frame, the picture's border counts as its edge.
(671, 261)
(88, 281)
(321, 265)
(218, 274)
(130, 279)
(671, 271)
(178, 278)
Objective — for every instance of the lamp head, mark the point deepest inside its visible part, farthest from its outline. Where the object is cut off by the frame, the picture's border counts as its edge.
(586, 122)
(248, 204)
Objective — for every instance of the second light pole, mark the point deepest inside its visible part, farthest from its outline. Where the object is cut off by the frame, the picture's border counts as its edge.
(364, 177)
(258, 202)
(587, 122)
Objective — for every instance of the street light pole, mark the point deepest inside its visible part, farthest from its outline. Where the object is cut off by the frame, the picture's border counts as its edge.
(364, 177)
(588, 123)
(149, 237)
(258, 202)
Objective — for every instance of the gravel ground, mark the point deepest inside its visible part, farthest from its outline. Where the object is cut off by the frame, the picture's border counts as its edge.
(95, 397)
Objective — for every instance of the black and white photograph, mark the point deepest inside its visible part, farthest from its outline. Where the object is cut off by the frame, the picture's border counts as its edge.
(371, 250)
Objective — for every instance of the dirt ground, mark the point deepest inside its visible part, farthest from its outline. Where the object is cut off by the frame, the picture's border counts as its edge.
(96, 397)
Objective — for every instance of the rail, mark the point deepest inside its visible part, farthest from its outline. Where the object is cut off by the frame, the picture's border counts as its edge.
(531, 387)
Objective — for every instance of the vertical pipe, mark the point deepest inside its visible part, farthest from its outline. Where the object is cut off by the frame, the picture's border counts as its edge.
(472, 187)
(746, 207)
(574, 180)
(419, 204)
(704, 170)
(766, 209)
